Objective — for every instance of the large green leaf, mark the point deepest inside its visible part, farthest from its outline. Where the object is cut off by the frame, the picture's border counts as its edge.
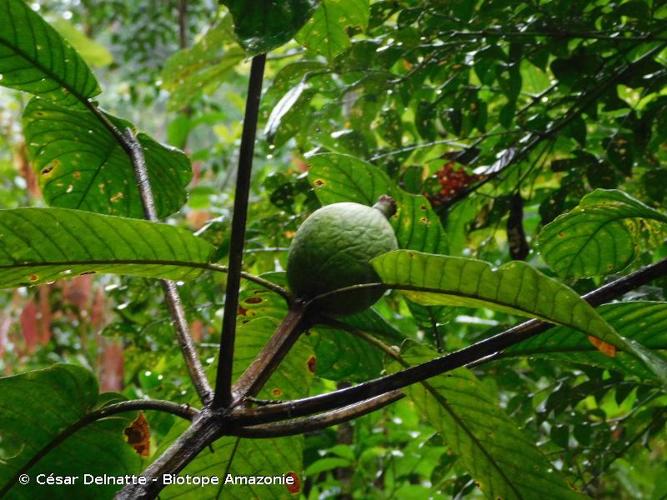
(202, 67)
(338, 177)
(643, 322)
(262, 25)
(501, 457)
(326, 32)
(597, 237)
(37, 406)
(83, 166)
(515, 287)
(39, 245)
(35, 58)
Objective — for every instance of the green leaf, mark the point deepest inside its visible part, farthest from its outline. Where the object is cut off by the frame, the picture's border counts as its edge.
(597, 237)
(338, 177)
(202, 67)
(40, 245)
(35, 408)
(325, 33)
(83, 166)
(501, 457)
(642, 322)
(515, 288)
(35, 58)
(92, 52)
(263, 25)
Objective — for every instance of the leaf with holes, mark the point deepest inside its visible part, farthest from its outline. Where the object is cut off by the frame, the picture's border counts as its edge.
(499, 455)
(515, 288)
(597, 237)
(263, 25)
(39, 245)
(338, 177)
(35, 58)
(642, 322)
(83, 166)
(326, 32)
(65, 393)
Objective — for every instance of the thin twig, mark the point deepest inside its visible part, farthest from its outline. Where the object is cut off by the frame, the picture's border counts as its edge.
(172, 297)
(319, 422)
(457, 359)
(183, 411)
(223, 385)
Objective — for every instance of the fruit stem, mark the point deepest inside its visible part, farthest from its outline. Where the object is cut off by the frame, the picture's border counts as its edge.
(387, 205)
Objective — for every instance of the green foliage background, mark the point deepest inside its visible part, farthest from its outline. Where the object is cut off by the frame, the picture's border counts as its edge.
(505, 130)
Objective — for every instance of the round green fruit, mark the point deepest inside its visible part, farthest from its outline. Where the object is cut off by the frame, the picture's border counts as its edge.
(333, 248)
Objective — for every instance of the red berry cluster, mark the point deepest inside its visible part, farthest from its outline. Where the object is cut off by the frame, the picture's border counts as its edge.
(451, 180)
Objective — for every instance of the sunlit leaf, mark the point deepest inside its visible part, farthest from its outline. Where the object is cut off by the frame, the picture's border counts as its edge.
(325, 33)
(597, 237)
(202, 67)
(39, 245)
(35, 58)
(36, 407)
(92, 52)
(83, 166)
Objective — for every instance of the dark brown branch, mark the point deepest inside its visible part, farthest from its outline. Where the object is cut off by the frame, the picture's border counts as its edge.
(223, 385)
(259, 371)
(471, 354)
(172, 297)
(134, 150)
(321, 421)
(183, 411)
(204, 430)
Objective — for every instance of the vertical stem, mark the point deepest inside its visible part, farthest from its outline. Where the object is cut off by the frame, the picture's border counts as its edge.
(223, 387)
(183, 23)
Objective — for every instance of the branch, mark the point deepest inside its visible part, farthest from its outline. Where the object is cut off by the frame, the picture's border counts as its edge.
(205, 429)
(318, 422)
(183, 411)
(259, 371)
(223, 385)
(616, 36)
(457, 359)
(172, 297)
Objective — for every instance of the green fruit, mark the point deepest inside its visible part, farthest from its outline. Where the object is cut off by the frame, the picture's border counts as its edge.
(332, 249)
